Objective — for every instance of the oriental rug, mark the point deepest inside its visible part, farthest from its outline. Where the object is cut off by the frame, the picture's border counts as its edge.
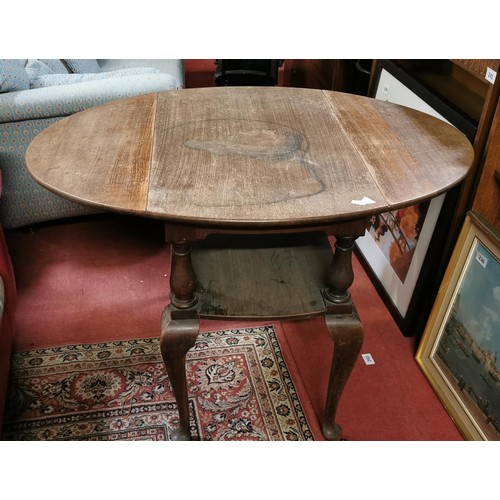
(240, 389)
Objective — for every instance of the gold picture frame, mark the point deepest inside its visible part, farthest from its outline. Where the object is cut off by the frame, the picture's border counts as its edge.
(459, 347)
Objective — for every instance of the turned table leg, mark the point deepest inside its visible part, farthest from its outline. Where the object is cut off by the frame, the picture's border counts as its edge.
(182, 277)
(345, 330)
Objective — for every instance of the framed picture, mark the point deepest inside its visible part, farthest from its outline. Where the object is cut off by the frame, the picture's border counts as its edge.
(402, 250)
(459, 350)
(395, 246)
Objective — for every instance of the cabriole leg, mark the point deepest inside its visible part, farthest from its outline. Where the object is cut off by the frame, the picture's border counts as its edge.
(346, 332)
(177, 337)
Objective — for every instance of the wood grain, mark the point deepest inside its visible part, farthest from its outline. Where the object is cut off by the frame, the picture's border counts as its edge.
(271, 276)
(478, 67)
(243, 156)
(100, 156)
(402, 147)
(487, 199)
(314, 179)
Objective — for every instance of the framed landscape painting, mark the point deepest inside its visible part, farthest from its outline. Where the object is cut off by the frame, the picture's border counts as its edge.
(459, 351)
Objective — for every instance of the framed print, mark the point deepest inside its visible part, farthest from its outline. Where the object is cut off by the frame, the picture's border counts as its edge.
(461, 343)
(396, 244)
(401, 250)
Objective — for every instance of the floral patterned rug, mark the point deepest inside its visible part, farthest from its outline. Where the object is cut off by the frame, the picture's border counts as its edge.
(240, 389)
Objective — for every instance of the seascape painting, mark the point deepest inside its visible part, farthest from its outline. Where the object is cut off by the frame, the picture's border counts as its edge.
(468, 345)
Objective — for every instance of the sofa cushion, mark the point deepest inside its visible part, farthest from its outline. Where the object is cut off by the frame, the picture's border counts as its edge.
(56, 65)
(13, 76)
(35, 68)
(51, 80)
(174, 67)
(82, 65)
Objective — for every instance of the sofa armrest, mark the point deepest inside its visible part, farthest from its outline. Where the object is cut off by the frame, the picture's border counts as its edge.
(64, 100)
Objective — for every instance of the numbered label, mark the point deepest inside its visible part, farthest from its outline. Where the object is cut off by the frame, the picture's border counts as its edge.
(482, 259)
(368, 359)
(491, 75)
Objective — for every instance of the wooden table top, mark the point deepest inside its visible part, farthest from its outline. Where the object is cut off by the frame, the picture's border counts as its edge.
(263, 156)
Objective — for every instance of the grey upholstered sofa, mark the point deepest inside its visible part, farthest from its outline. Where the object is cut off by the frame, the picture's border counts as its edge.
(35, 93)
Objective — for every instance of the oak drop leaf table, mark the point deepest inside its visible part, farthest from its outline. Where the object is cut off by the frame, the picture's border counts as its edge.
(250, 182)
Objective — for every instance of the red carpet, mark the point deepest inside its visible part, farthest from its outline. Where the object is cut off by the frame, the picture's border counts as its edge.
(107, 279)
